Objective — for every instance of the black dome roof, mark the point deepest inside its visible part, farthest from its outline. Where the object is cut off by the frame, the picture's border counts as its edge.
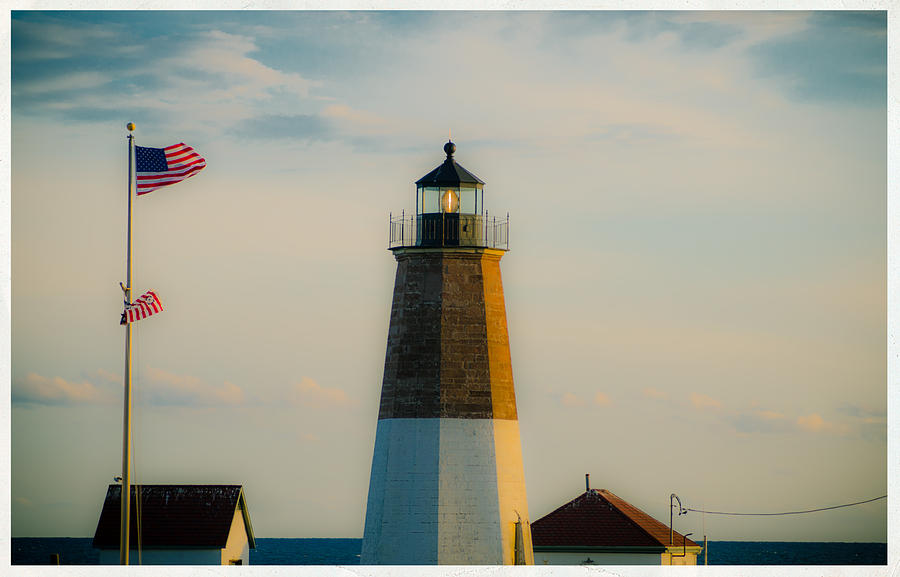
(449, 173)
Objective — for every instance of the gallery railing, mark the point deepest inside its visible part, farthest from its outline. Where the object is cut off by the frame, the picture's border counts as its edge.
(449, 229)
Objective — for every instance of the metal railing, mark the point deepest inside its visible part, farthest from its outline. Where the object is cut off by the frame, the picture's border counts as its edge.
(448, 229)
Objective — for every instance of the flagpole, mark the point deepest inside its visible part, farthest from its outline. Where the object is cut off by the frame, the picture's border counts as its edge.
(126, 440)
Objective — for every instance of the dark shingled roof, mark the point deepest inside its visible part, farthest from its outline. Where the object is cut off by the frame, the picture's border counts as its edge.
(598, 518)
(449, 173)
(174, 516)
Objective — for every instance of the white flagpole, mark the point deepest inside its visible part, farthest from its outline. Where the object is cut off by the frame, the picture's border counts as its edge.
(126, 440)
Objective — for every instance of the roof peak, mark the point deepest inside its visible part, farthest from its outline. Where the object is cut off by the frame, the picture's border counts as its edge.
(599, 517)
(449, 172)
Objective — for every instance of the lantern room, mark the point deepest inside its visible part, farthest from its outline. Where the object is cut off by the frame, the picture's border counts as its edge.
(449, 211)
(449, 189)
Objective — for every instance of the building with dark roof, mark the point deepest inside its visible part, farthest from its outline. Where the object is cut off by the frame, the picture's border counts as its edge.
(178, 525)
(600, 528)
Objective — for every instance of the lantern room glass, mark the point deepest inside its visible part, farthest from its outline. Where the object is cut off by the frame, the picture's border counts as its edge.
(433, 199)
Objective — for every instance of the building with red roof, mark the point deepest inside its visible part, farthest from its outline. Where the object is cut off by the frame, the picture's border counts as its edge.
(600, 528)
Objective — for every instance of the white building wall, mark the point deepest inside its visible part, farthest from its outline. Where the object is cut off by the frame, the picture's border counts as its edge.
(237, 546)
(164, 557)
(677, 556)
(580, 558)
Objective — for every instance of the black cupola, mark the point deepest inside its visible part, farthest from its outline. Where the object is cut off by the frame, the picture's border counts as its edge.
(449, 188)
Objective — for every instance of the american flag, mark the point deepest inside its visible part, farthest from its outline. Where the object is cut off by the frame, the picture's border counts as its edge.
(144, 306)
(159, 167)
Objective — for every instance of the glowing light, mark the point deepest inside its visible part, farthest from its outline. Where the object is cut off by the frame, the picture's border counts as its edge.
(450, 201)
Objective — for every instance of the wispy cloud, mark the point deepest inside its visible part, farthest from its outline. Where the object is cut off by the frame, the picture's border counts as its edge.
(653, 393)
(869, 421)
(73, 81)
(37, 389)
(571, 400)
(633, 132)
(838, 57)
(760, 421)
(223, 60)
(211, 75)
(309, 393)
(53, 39)
(864, 413)
(814, 423)
(300, 127)
(165, 388)
(344, 112)
(701, 401)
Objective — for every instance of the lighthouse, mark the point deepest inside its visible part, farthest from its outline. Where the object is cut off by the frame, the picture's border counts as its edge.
(447, 484)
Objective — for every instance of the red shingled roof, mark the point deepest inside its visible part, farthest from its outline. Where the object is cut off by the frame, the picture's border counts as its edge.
(598, 518)
(174, 516)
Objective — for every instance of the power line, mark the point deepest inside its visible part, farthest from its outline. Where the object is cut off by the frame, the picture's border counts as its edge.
(786, 512)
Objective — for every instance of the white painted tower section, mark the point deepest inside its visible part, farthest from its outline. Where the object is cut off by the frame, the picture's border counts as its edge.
(453, 488)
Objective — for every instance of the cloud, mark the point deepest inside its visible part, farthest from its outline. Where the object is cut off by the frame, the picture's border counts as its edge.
(301, 127)
(104, 376)
(37, 389)
(814, 423)
(222, 56)
(309, 393)
(652, 393)
(633, 132)
(54, 39)
(839, 57)
(343, 112)
(760, 421)
(869, 421)
(864, 413)
(701, 401)
(209, 75)
(165, 388)
(602, 400)
(572, 400)
(73, 81)
(692, 33)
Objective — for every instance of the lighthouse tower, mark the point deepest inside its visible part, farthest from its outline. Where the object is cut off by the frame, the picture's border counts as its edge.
(447, 484)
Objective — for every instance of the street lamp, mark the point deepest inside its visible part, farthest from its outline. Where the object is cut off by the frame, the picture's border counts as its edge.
(681, 511)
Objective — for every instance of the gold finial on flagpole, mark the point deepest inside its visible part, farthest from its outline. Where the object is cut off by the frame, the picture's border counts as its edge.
(130, 126)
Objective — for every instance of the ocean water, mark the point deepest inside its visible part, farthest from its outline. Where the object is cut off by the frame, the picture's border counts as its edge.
(78, 551)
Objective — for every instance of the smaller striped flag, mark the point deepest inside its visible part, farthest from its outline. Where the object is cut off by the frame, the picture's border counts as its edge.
(144, 306)
(159, 167)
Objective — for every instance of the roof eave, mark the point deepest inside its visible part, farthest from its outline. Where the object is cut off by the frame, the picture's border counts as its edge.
(600, 548)
(245, 512)
(679, 548)
(458, 176)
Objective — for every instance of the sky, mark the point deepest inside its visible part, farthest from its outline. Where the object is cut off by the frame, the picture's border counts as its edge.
(695, 286)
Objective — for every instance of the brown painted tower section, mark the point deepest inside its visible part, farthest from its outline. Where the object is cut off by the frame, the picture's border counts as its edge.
(448, 346)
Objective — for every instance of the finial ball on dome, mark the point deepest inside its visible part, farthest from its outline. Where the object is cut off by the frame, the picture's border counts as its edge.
(449, 148)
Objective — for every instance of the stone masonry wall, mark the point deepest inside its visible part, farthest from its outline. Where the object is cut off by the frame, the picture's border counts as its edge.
(448, 348)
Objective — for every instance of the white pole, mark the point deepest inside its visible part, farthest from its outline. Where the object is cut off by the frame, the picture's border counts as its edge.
(126, 436)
